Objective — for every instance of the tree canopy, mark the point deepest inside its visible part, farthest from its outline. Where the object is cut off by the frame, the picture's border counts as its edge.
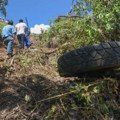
(105, 14)
(3, 3)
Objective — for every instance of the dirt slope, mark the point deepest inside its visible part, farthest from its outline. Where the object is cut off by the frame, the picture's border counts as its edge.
(26, 78)
(31, 89)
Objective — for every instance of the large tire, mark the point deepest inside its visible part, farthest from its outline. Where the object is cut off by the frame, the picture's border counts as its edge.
(90, 58)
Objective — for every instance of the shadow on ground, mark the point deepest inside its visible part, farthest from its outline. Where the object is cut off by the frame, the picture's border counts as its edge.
(19, 96)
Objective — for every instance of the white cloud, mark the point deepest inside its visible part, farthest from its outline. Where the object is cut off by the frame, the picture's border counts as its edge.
(37, 29)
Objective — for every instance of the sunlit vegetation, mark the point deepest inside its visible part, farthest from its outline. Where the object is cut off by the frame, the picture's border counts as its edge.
(32, 84)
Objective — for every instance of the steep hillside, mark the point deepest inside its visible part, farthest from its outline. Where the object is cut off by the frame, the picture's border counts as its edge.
(31, 88)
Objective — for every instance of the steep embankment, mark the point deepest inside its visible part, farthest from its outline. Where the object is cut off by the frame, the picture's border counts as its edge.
(27, 78)
(31, 88)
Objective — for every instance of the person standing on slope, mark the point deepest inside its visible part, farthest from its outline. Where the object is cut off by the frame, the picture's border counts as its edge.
(27, 40)
(21, 29)
(8, 35)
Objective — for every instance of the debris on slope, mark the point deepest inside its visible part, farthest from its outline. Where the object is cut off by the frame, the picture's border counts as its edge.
(31, 89)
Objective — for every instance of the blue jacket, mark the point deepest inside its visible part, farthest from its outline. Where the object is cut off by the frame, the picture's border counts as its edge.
(7, 31)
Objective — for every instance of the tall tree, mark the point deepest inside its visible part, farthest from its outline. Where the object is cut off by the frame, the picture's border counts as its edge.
(3, 4)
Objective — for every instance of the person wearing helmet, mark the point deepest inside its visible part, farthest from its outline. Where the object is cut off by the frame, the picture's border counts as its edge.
(8, 35)
(21, 28)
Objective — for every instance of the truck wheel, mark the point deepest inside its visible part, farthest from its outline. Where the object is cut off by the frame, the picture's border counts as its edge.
(90, 58)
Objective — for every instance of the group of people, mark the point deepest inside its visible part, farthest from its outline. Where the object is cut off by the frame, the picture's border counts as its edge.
(9, 32)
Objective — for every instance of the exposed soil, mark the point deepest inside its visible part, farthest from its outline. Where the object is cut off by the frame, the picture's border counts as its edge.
(31, 88)
(21, 88)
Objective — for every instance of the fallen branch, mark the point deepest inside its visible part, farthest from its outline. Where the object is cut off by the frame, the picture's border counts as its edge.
(56, 97)
(51, 98)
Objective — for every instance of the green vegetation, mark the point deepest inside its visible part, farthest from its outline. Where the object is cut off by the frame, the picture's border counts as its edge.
(3, 4)
(99, 25)
(33, 88)
(2, 24)
(93, 101)
(78, 32)
(105, 14)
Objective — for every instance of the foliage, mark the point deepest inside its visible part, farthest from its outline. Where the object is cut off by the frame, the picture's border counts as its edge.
(78, 32)
(98, 22)
(2, 24)
(96, 97)
(105, 13)
(3, 3)
(93, 101)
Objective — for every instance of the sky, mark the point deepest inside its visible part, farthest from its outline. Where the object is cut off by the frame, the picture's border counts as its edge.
(37, 11)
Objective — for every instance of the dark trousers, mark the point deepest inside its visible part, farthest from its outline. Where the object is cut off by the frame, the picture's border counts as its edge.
(21, 39)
